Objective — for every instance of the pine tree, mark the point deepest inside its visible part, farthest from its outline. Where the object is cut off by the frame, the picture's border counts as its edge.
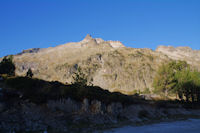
(7, 66)
(29, 73)
(79, 78)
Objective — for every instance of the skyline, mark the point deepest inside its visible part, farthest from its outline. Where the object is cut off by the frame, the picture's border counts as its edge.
(137, 24)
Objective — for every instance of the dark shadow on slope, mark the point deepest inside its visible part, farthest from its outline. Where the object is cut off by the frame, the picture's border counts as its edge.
(40, 91)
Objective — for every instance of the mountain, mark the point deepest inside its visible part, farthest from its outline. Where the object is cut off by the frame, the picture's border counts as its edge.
(110, 64)
(182, 53)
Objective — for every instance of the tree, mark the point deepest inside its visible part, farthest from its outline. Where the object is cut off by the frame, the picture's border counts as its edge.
(79, 78)
(189, 85)
(177, 77)
(196, 80)
(165, 80)
(29, 73)
(7, 66)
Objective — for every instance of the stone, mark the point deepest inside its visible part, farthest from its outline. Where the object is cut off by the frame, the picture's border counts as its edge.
(65, 105)
(114, 108)
(97, 107)
(116, 44)
(180, 53)
(85, 105)
(32, 50)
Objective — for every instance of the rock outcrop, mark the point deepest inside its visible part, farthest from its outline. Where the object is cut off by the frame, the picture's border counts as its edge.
(116, 44)
(64, 116)
(88, 41)
(33, 50)
(181, 53)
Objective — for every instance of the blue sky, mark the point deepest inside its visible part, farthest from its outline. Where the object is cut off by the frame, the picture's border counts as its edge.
(136, 23)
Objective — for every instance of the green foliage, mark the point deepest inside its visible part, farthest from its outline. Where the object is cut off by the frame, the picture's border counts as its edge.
(165, 81)
(29, 73)
(189, 85)
(7, 66)
(178, 78)
(79, 78)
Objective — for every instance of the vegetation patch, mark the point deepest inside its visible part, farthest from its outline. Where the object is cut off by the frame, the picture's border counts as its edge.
(178, 78)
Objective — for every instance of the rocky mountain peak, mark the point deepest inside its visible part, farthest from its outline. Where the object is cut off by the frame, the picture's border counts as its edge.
(87, 38)
(89, 41)
(181, 53)
(178, 50)
(171, 48)
(110, 65)
(116, 44)
(32, 50)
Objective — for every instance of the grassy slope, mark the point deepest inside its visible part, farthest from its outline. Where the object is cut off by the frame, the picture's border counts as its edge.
(126, 70)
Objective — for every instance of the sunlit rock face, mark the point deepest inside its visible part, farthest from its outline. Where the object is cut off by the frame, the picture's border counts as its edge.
(116, 44)
(32, 50)
(181, 53)
(88, 41)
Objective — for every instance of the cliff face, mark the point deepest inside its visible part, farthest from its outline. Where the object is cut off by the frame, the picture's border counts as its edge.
(109, 63)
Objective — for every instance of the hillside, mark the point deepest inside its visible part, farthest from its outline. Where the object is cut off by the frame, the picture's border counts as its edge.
(34, 105)
(110, 64)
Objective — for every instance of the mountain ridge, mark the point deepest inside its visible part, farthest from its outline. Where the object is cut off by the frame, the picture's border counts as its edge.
(110, 64)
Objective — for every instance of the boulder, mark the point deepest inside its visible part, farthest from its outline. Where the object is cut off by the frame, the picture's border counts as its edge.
(97, 107)
(66, 105)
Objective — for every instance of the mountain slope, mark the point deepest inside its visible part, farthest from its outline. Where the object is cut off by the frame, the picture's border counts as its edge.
(182, 53)
(109, 63)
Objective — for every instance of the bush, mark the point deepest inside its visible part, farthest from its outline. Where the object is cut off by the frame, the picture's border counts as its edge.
(7, 66)
(29, 73)
(79, 78)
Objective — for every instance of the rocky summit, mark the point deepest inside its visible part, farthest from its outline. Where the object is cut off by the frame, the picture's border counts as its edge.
(181, 53)
(109, 64)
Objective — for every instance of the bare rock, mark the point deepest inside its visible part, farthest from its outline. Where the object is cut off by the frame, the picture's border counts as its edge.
(32, 50)
(85, 105)
(181, 53)
(66, 105)
(116, 44)
(97, 107)
(114, 108)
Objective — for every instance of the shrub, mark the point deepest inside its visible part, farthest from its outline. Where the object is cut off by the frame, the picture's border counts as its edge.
(29, 73)
(7, 66)
(166, 81)
(79, 78)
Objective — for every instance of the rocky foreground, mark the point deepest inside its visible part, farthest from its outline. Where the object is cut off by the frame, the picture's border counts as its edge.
(34, 105)
(67, 115)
